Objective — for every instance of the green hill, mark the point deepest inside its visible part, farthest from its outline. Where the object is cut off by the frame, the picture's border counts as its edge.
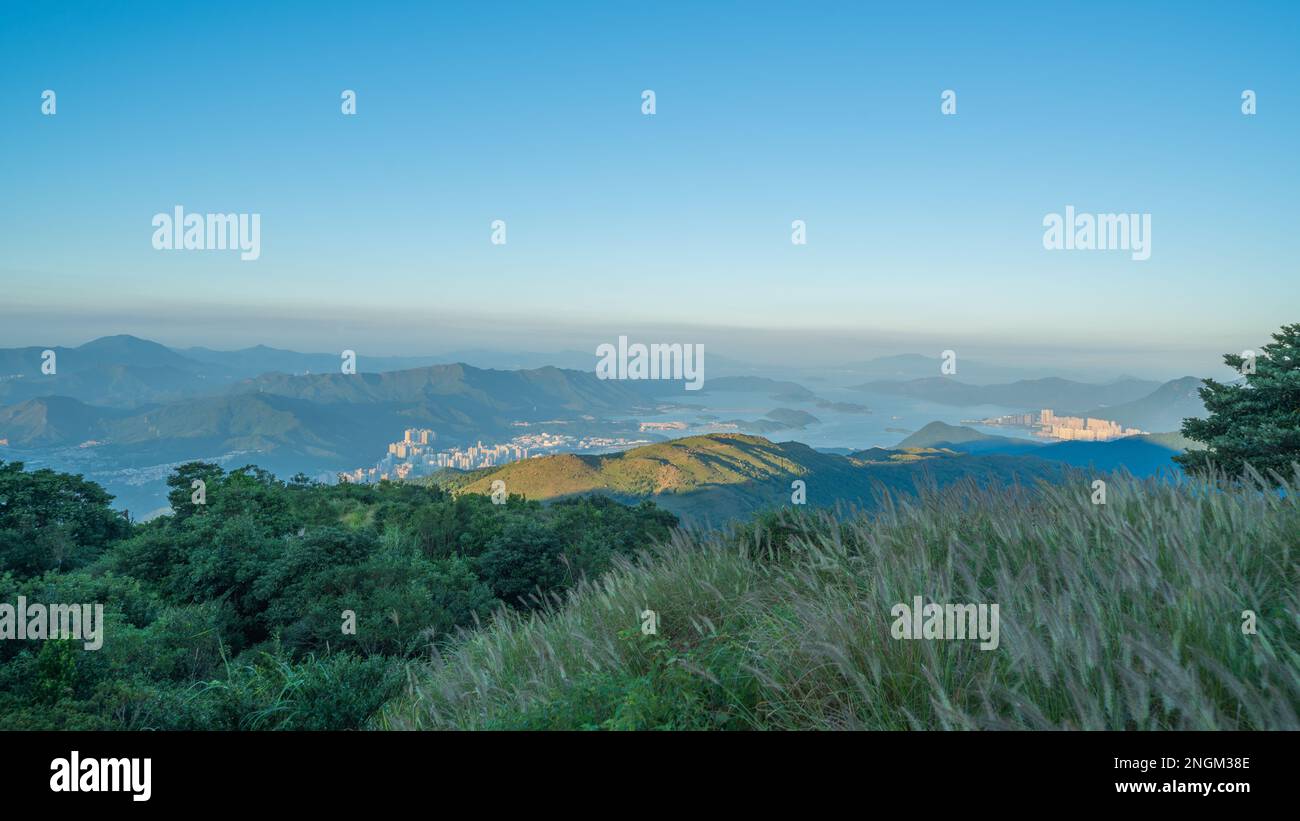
(53, 420)
(940, 433)
(723, 475)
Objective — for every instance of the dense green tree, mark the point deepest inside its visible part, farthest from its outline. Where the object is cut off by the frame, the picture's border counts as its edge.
(522, 560)
(1257, 421)
(183, 488)
(52, 521)
(228, 614)
(594, 529)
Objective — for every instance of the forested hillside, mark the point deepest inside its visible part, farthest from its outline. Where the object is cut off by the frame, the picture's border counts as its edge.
(231, 614)
(714, 478)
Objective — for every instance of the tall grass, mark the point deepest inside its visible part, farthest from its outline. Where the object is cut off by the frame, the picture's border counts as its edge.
(1126, 615)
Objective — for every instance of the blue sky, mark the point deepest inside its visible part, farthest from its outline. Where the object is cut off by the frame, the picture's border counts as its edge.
(924, 230)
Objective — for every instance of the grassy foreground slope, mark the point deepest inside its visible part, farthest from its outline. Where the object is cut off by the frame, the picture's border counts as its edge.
(1127, 615)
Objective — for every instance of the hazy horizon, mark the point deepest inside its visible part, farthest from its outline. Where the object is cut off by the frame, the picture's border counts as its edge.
(788, 352)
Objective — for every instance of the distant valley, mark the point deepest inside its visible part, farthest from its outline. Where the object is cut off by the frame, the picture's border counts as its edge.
(125, 411)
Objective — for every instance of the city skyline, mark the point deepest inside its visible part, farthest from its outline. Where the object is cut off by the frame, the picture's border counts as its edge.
(1047, 425)
(418, 453)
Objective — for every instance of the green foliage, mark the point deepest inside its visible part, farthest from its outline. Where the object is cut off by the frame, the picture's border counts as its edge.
(1256, 423)
(183, 489)
(661, 687)
(229, 614)
(521, 559)
(52, 521)
(273, 692)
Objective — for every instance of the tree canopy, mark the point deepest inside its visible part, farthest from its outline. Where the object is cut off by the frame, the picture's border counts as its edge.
(230, 613)
(1255, 421)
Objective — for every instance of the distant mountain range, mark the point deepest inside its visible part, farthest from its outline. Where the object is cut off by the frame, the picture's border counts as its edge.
(260, 359)
(1164, 409)
(911, 366)
(125, 371)
(114, 371)
(524, 394)
(332, 420)
(1028, 394)
(721, 476)
(907, 367)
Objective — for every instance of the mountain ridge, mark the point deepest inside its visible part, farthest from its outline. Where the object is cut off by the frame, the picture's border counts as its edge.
(1164, 409)
(724, 475)
(1049, 392)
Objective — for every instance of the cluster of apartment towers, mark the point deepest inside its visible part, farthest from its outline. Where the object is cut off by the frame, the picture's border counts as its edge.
(1078, 428)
